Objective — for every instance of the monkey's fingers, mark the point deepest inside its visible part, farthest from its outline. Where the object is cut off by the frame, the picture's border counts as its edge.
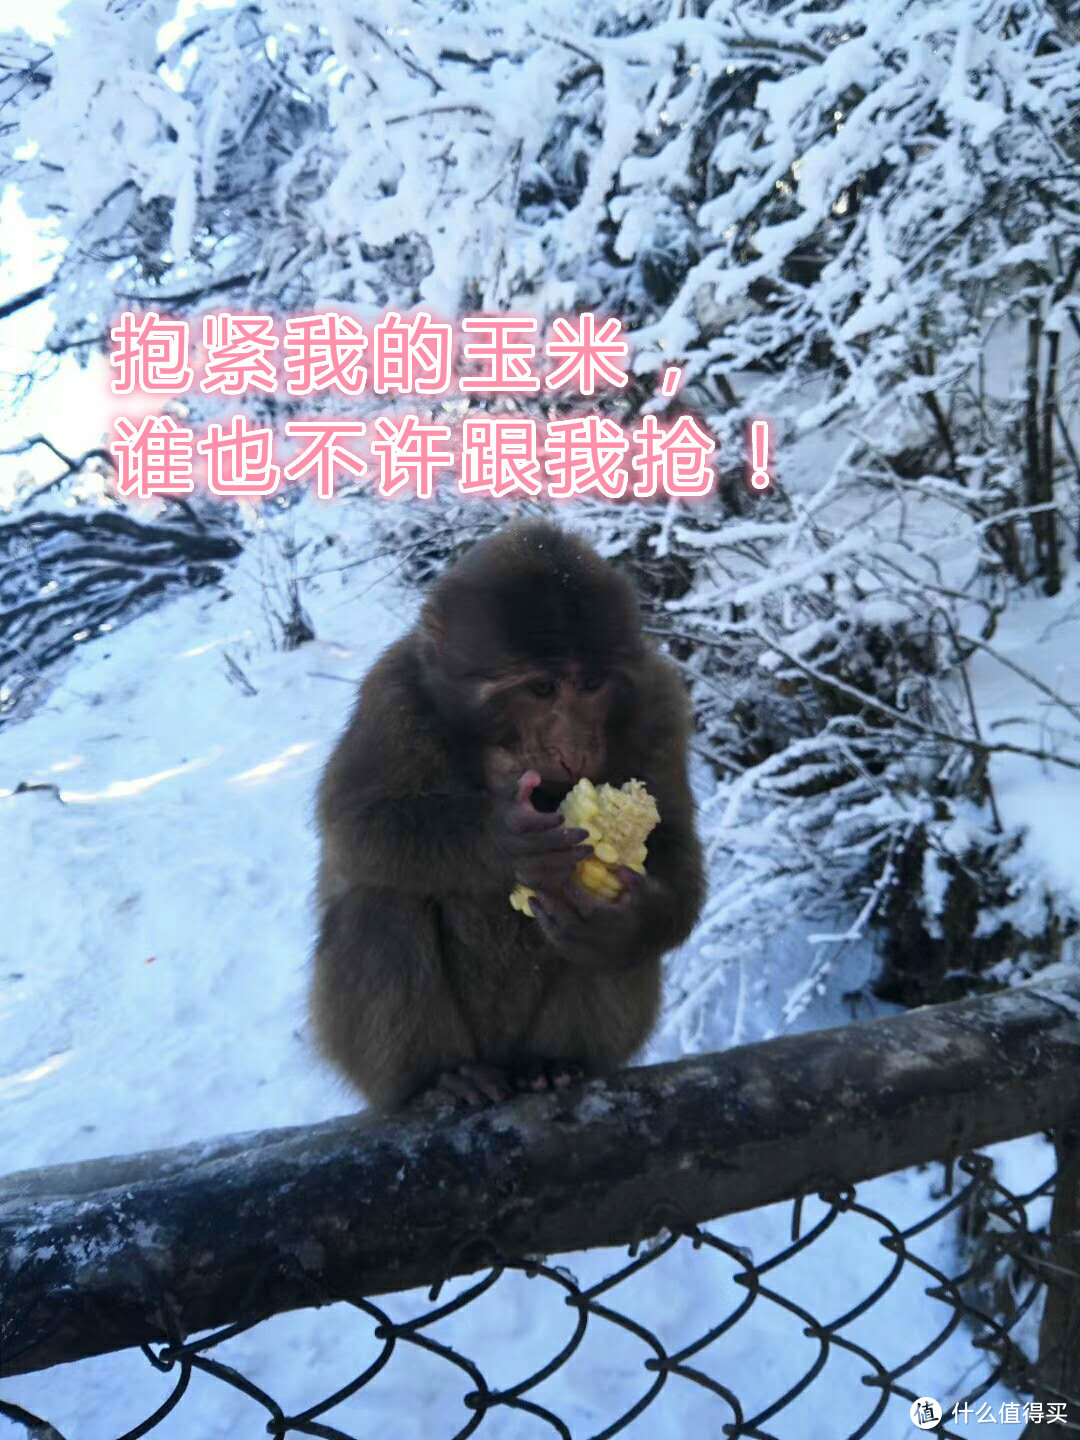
(564, 1073)
(543, 842)
(523, 820)
(475, 1084)
(632, 880)
(488, 1079)
(458, 1089)
(638, 887)
(544, 874)
(582, 903)
(560, 923)
(526, 785)
(542, 1075)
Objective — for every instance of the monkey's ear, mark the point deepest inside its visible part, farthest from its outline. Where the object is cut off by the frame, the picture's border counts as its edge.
(442, 644)
(458, 627)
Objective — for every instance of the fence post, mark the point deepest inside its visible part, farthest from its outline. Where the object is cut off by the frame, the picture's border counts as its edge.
(1057, 1373)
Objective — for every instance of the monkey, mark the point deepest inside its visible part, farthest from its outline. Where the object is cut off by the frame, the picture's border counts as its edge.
(527, 670)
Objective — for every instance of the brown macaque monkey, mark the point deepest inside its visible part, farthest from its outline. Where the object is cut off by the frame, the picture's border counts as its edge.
(527, 670)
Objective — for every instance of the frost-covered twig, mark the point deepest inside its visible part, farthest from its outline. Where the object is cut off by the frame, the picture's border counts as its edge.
(66, 576)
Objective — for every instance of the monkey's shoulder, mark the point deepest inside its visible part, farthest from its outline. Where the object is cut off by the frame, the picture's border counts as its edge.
(392, 685)
(393, 738)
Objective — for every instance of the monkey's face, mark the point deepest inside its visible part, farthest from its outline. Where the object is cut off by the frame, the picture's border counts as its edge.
(553, 721)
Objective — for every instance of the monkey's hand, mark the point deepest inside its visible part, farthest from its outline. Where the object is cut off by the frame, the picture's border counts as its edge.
(537, 848)
(586, 929)
(617, 824)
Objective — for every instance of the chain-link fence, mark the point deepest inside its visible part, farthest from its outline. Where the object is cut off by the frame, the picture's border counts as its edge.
(765, 1351)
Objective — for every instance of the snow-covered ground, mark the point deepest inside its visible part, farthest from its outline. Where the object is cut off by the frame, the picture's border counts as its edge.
(153, 957)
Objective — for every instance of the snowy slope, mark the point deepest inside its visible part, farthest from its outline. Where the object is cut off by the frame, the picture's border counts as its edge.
(153, 960)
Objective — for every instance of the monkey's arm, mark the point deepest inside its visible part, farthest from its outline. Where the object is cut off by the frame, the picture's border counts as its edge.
(671, 896)
(389, 811)
(429, 842)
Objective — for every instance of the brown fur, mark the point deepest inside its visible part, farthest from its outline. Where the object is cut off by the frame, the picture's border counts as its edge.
(421, 963)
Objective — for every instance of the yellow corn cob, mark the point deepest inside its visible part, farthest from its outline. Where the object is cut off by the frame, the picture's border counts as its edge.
(618, 822)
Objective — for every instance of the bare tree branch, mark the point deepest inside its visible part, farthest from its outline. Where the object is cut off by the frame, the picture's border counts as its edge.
(21, 302)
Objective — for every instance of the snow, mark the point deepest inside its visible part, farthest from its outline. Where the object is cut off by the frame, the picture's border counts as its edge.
(1043, 640)
(152, 990)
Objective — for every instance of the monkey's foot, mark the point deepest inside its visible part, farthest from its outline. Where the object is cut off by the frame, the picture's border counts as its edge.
(542, 1075)
(473, 1083)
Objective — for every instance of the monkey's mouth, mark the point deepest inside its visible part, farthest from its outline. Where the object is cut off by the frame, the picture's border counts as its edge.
(548, 795)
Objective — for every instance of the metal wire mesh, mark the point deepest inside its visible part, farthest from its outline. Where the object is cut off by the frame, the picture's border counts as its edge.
(1003, 1271)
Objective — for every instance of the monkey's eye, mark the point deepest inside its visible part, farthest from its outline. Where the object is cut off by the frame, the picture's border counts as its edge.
(542, 688)
(593, 682)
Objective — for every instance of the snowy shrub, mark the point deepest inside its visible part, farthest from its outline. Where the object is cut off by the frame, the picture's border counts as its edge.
(966, 910)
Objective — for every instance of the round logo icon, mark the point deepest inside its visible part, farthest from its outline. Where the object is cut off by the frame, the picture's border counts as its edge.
(925, 1413)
